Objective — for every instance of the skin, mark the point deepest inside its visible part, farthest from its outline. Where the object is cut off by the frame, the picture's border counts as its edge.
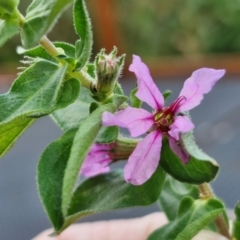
(139, 228)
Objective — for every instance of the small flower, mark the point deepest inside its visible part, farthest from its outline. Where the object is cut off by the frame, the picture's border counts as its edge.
(97, 160)
(164, 121)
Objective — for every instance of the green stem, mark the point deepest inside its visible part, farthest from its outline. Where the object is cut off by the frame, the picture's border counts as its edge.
(49, 47)
(84, 78)
(20, 18)
(222, 226)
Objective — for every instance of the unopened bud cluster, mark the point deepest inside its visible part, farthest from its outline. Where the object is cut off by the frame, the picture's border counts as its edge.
(108, 70)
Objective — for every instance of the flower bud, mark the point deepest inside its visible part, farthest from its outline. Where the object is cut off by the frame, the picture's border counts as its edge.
(108, 70)
(7, 7)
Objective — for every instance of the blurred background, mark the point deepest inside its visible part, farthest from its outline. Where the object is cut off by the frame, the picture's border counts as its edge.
(174, 37)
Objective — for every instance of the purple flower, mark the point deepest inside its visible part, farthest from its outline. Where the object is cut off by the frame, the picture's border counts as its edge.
(97, 160)
(164, 121)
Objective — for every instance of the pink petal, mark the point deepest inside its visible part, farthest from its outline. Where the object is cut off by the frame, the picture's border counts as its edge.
(181, 124)
(147, 90)
(197, 85)
(179, 150)
(97, 160)
(94, 170)
(138, 121)
(144, 160)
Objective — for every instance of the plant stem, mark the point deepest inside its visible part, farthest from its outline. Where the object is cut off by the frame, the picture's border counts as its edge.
(222, 226)
(20, 18)
(47, 44)
(84, 78)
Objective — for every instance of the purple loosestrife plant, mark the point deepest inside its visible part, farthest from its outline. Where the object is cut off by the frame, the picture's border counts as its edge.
(163, 121)
(86, 101)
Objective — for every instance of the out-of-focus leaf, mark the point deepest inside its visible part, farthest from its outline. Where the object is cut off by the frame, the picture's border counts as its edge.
(236, 222)
(107, 134)
(40, 52)
(172, 194)
(135, 102)
(192, 217)
(8, 28)
(40, 18)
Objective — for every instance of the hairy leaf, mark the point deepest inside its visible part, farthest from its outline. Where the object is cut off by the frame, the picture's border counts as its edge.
(172, 194)
(40, 18)
(84, 30)
(192, 217)
(50, 176)
(8, 28)
(83, 140)
(38, 91)
(73, 115)
(110, 192)
(40, 52)
(200, 168)
(10, 132)
(107, 134)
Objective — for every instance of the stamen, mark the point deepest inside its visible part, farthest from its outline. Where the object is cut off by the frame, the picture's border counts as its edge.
(175, 105)
(165, 117)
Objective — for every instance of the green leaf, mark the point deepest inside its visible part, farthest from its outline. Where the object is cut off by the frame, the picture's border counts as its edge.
(167, 94)
(40, 52)
(10, 132)
(8, 6)
(50, 176)
(135, 102)
(69, 92)
(117, 99)
(91, 70)
(111, 192)
(118, 89)
(93, 106)
(73, 115)
(8, 29)
(38, 91)
(83, 140)
(236, 222)
(40, 18)
(172, 194)
(192, 217)
(107, 134)
(200, 168)
(84, 29)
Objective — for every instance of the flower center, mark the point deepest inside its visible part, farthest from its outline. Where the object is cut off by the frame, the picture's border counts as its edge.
(164, 118)
(163, 121)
